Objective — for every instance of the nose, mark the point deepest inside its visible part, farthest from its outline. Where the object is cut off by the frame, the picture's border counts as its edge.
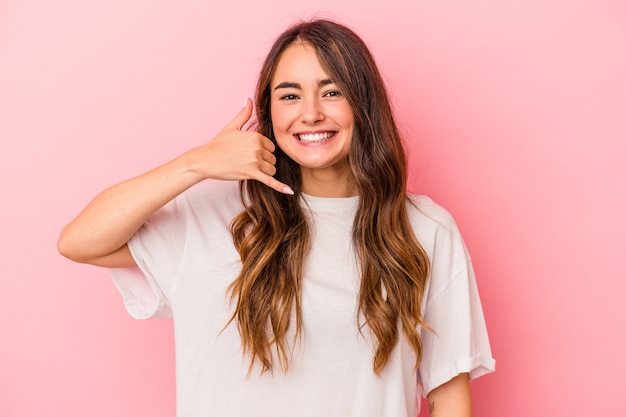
(311, 111)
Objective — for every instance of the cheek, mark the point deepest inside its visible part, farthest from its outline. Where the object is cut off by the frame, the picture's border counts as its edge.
(280, 120)
(280, 128)
(344, 116)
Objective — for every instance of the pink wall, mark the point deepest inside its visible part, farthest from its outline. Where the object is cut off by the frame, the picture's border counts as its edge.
(516, 114)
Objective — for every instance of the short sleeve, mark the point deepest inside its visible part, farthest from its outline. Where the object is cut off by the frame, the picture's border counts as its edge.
(459, 342)
(157, 247)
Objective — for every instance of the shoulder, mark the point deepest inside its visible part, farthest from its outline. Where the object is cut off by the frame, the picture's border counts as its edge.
(214, 193)
(210, 199)
(436, 230)
(425, 211)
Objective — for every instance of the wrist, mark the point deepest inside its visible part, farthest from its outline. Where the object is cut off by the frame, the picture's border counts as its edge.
(193, 165)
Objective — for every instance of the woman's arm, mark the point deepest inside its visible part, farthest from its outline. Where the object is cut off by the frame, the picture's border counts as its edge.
(452, 399)
(98, 235)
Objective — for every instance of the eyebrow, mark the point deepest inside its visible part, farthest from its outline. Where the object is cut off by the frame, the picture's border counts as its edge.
(287, 84)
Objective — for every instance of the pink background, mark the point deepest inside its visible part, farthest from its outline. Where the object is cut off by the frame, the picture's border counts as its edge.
(516, 116)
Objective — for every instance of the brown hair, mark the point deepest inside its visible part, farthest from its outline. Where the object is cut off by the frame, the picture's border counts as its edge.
(272, 234)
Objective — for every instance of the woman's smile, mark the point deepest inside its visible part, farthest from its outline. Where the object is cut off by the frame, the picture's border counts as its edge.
(315, 138)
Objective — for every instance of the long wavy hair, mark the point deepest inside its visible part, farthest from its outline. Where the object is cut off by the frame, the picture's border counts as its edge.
(272, 234)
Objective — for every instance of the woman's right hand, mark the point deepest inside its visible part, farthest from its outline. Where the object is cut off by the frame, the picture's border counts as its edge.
(235, 154)
(98, 235)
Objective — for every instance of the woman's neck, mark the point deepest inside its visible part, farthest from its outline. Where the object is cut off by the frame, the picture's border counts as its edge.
(328, 183)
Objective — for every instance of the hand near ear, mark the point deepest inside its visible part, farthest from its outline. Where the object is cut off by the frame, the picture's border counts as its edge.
(235, 154)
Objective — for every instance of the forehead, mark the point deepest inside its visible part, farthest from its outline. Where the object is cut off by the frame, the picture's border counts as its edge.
(298, 62)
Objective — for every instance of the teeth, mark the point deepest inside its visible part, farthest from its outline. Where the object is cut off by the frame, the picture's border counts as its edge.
(315, 137)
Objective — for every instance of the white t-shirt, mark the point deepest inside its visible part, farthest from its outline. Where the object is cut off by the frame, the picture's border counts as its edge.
(187, 259)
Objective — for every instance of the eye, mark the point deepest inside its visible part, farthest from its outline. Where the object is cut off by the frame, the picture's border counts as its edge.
(288, 97)
(333, 93)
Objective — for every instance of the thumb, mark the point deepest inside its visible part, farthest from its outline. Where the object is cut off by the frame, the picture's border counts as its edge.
(242, 117)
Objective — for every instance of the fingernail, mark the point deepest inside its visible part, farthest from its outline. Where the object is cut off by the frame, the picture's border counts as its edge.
(245, 103)
(288, 190)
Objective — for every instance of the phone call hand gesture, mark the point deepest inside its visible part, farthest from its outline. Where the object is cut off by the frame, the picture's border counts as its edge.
(235, 154)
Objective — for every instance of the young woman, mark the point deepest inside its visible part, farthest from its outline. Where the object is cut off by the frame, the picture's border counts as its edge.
(316, 286)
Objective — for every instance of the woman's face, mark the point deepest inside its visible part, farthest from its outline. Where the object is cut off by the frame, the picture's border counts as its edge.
(313, 122)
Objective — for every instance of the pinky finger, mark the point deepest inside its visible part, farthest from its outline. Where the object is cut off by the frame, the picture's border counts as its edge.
(275, 184)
